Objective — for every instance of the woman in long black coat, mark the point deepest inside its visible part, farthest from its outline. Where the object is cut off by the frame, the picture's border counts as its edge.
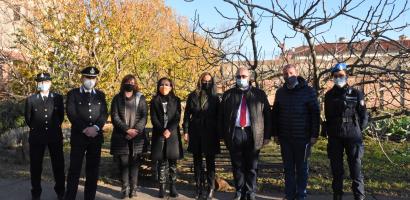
(165, 110)
(200, 132)
(129, 116)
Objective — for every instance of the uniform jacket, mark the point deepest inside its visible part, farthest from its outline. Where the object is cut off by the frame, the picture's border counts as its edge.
(86, 110)
(44, 118)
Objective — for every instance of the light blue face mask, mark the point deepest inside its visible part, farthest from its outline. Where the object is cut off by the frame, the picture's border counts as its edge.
(43, 87)
(242, 84)
(340, 82)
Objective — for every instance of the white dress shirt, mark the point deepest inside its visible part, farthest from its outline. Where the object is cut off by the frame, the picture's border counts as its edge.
(238, 116)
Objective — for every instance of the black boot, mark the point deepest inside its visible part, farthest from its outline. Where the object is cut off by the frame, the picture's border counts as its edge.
(125, 192)
(337, 197)
(172, 178)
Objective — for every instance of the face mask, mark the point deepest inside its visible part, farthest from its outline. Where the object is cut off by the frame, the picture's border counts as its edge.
(43, 87)
(164, 90)
(340, 82)
(206, 86)
(242, 84)
(89, 84)
(128, 87)
(291, 82)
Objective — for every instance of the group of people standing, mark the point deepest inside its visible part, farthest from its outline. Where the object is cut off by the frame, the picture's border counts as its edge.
(242, 117)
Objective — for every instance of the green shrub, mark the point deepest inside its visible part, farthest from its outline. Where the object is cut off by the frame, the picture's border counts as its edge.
(11, 114)
(397, 129)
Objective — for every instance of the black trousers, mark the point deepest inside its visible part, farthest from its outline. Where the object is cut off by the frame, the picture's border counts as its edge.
(244, 159)
(36, 166)
(199, 172)
(92, 152)
(354, 150)
(129, 167)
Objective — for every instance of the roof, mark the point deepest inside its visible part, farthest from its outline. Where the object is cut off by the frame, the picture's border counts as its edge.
(12, 55)
(381, 46)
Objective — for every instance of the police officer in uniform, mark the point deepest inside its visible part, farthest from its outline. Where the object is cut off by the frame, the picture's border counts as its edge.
(44, 114)
(87, 112)
(346, 117)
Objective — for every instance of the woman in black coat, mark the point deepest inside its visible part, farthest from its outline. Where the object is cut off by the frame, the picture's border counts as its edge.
(200, 132)
(165, 110)
(129, 116)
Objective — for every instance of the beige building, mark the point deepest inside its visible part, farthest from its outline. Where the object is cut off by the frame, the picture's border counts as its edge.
(11, 18)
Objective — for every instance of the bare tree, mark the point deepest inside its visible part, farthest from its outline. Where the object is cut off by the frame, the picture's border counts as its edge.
(376, 61)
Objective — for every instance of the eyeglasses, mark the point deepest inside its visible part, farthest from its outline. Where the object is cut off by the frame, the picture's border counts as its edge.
(241, 76)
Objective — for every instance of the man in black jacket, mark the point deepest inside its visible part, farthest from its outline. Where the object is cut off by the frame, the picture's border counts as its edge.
(244, 122)
(44, 114)
(346, 117)
(87, 112)
(296, 128)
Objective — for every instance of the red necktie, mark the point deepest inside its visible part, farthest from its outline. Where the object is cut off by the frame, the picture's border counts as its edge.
(242, 120)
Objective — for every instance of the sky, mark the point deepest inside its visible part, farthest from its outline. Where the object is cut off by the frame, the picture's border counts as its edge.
(342, 27)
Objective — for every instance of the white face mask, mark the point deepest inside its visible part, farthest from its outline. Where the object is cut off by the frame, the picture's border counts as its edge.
(43, 87)
(89, 83)
(242, 84)
(340, 82)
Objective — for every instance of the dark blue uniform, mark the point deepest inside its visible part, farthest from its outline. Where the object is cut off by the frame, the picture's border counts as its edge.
(85, 109)
(346, 117)
(44, 116)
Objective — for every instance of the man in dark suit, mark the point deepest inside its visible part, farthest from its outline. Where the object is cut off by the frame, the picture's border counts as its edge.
(44, 114)
(244, 121)
(87, 112)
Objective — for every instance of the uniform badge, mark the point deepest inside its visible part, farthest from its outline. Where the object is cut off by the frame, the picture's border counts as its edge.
(92, 71)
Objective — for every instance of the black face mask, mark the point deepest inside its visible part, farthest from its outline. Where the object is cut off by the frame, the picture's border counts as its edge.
(206, 86)
(128, 87)
(291, 82)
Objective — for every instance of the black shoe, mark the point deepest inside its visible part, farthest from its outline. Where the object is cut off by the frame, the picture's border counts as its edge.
(250, 196)
(173, 191)
(161, 193)
(238, 196)
(198, 193)
(359, 198)
(133, 192)
(337, 197)
(210, 194)
(35, 198)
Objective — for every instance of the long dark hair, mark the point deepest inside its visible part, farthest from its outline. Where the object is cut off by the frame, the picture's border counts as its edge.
(199, 83)
(171, 93)
(126, 79)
